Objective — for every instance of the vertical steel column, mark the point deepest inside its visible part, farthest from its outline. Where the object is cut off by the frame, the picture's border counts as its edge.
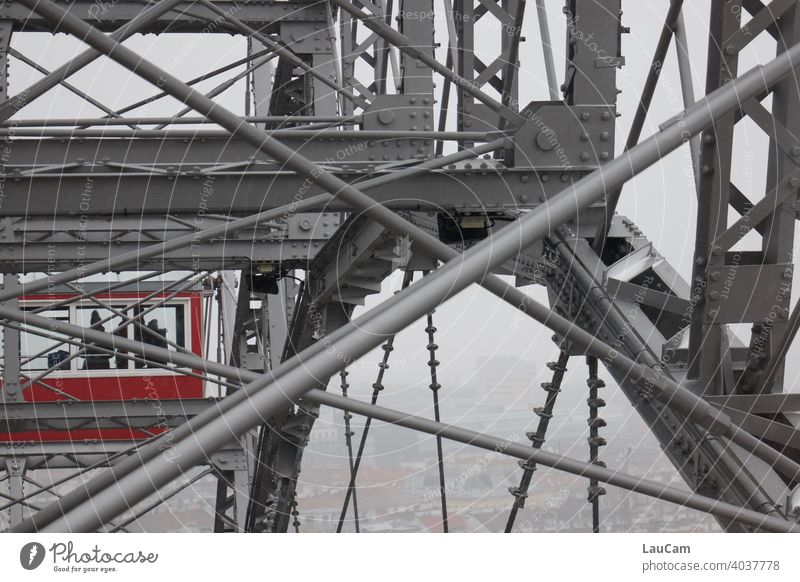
(464, 11)
(348, 28)
(12, 389)
(16, 467)
(451, 60)
(416, 22)
(278, 453)
(324, 99)
(779, 228)
(509, 49)
(233, 485)
(645, 100)
(593, 51)
(705, 339)
(241, 493)
(5, 45)
(381, 48)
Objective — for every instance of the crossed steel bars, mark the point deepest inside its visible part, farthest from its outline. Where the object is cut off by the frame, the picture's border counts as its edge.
(448, 280)
(40, 521)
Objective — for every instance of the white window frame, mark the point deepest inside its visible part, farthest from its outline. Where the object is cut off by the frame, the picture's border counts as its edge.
(184, 302)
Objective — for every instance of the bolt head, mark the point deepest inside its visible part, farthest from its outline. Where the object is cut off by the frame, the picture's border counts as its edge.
(385, 116)
(546, 141)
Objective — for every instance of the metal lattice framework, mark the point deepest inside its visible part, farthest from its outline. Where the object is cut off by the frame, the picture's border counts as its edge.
(343, 170)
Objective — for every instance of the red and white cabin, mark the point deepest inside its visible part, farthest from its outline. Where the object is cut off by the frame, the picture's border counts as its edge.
(95, 376)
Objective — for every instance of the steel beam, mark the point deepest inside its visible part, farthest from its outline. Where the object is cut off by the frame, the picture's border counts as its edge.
(241, 192)
(260, 14)
(299, 203)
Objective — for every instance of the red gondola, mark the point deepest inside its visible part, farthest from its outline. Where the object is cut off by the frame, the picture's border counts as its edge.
(95, 375)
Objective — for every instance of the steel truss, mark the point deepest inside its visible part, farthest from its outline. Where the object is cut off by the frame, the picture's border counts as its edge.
(364, 178)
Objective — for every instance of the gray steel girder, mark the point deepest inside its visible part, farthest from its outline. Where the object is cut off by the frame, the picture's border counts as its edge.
(66, 414)
(240, 193)
(30, 244)
(76, 454)
(211, 255)
(108, 16)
